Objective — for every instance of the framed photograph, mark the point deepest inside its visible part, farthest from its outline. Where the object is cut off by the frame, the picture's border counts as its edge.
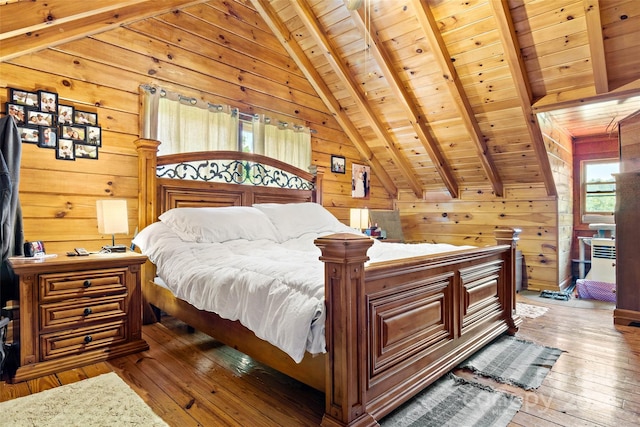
(360, 176)
(85, 118)
(76, 133)
(65, 114)
(29, 134)
(64, 150)
(48, 137)
(17, 111)
(39, 118)
(23, 97)
(94, 136)
(48, 101)
(85, 151)
(338, 164)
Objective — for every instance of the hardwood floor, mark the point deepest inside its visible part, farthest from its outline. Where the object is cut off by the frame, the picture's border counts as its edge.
(189, 379)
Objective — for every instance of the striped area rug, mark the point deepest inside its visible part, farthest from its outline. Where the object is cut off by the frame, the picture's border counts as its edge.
(510, 360)
(455, 402)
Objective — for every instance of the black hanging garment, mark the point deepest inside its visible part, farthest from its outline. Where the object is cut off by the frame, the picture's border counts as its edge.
(11, 232)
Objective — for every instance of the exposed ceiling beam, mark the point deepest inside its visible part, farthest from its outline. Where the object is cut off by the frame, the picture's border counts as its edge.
(441, 54)
(18, 41)
(511, 48)
(404, 98)
(306, 16)
(596, 45)
(265, 10)
(584, 96)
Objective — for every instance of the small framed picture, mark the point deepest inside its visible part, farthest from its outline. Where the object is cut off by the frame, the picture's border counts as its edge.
(48, 101)
(29, 134)
(85, 151)
(94, 136)
(48, 137)
(85, 118)
(23, 97)
(39, 118)
(17, 111)
(338, 164)
(76, 133)
(65, 114)
(64, 150)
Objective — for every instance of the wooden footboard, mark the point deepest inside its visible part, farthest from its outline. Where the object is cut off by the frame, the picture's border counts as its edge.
(395, 327)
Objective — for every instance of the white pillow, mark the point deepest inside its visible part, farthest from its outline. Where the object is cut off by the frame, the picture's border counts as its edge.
(216, 225)
(292, 220)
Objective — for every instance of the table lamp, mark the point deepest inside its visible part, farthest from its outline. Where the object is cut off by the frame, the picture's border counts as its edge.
(359, 218)
(112, 219)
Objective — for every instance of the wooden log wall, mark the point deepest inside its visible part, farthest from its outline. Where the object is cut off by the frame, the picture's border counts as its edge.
(216, 59)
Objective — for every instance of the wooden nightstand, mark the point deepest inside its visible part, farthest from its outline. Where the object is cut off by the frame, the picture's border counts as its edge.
(76, 311)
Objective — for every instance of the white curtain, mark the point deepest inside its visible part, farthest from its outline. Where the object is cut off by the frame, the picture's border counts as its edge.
(183, 128)
(185, 124)
(292, 146)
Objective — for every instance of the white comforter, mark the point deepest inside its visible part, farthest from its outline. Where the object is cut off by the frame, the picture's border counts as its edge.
(274, 289)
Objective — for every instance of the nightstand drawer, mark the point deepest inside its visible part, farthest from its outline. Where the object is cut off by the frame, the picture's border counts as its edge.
(77, 341)
(75, 284)
(77, 312)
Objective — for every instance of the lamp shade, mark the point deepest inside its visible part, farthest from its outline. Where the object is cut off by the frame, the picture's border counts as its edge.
(112, 216)
(359, 218)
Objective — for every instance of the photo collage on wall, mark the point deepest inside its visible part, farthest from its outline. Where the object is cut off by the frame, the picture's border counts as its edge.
(42, 120)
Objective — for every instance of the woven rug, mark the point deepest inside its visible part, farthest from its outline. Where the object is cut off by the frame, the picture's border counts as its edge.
(104, 400)
(453, 401)
(513, 361)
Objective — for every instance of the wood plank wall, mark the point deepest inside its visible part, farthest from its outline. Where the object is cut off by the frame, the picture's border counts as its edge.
(559, 146)
(207, 52)
(216, 59)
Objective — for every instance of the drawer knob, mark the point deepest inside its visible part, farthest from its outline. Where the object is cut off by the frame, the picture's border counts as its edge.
(87, 311)
(88, 339)
(87, 283)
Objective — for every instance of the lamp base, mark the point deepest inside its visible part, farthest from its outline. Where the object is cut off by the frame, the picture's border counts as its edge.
(115, 248)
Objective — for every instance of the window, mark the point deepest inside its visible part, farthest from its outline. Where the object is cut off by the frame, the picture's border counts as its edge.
(599, 187)
(245, 134)
(185, 124)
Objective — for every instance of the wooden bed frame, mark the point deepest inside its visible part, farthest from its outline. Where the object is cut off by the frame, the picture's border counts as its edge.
(392, 328)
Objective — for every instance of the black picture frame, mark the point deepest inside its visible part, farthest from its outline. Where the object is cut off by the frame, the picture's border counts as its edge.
(75, 133)
(29, 134)
(23, 97)
(48, 101)
(65, 114)
(85, 151)
(65, 149)
(39, 118)
(85, 118)
(17, 111)
(338, 164)
(94, 136)
(48, 137)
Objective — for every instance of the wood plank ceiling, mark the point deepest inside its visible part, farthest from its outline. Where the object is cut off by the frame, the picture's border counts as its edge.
(436, 95)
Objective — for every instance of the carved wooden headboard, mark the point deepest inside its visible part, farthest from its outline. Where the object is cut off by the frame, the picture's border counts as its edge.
(217, 178)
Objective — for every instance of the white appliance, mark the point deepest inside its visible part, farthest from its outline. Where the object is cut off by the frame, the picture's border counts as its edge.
(603, 260)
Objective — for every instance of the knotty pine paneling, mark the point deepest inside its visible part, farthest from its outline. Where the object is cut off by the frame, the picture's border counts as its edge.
(471, 220)
(216, 60)
(560, 151)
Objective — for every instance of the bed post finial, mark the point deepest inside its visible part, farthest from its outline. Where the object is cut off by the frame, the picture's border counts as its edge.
(344, 256)
(147, 161)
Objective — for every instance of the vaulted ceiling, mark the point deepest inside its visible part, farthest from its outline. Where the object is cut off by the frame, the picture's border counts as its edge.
(436, 95)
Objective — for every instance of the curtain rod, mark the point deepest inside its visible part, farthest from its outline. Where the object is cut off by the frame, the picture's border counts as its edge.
(219, 107)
